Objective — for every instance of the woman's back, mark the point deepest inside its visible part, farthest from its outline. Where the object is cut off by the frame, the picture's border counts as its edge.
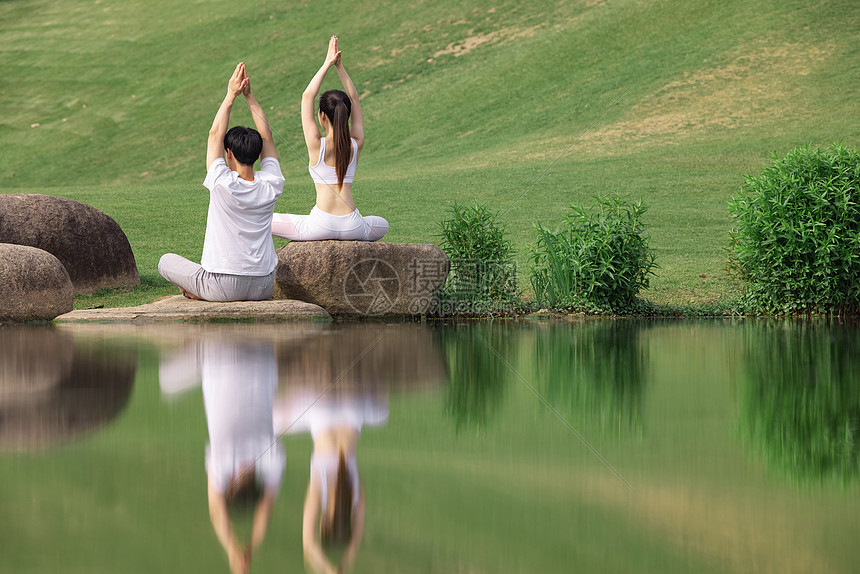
(330, 198)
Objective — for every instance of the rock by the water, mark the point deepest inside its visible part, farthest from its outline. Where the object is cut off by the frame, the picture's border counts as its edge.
(92, 247)
(359, 278)
(178, 308)
(34, 285)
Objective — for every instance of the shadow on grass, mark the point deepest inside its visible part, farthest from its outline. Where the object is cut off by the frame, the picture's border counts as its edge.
(151, 288)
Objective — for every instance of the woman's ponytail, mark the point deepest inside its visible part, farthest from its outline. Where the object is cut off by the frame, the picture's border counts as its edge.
(336, 106)
(337, 530)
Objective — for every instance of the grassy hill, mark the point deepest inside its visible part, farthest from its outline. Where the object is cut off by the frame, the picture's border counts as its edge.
(526, 106)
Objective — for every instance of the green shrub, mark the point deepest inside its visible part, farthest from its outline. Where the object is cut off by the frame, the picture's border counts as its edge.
(796, 242)
(597, 263)
(483, 273)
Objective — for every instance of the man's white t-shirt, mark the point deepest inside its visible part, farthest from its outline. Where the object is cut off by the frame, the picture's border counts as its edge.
(239, 382)
(239, 225)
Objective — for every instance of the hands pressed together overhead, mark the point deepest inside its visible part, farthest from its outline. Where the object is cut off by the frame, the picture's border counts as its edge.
(332, 58)
(239, 82)
(240, 559)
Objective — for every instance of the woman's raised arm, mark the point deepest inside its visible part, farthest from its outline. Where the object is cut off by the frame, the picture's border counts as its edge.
(356, 120)
(313, 552)
(309, 119)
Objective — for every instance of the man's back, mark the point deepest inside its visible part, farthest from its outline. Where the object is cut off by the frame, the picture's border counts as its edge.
(238, 228)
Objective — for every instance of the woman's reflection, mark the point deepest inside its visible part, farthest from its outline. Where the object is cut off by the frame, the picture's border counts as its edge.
(335, 504)
(244, 461)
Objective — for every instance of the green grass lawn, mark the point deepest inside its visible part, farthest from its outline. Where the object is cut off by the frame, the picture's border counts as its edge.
(525, 106)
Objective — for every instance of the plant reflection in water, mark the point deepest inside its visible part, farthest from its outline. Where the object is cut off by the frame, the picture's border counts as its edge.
(478, 377)
(594, 370)
(800, 398)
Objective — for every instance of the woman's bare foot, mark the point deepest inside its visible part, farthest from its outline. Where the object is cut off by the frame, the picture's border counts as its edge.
(189, 295)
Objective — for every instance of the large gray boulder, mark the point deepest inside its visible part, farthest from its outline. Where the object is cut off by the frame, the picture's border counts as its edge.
(90, 244)
(359, 278)
(34, 285)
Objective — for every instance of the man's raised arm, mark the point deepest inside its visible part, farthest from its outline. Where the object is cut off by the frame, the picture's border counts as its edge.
(260, 122)
(215, 144)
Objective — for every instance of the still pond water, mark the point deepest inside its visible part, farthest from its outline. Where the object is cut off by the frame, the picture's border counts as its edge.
(596, 446)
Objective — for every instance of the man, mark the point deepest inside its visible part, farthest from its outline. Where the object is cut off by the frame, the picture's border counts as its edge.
(239, 257)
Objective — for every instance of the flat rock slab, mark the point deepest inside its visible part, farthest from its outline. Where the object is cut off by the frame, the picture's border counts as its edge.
(178, 308)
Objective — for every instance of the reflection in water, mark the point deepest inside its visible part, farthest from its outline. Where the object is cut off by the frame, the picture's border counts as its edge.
(336, 384)
(335, 503)
(593, 370)
(333, 383)
(244, 461)
(55, 388)
(478, 376)
(510, 498)
(392, 357)
(800, 402)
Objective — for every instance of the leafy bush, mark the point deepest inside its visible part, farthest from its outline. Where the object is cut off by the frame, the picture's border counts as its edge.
(483, 273)
(797, 239)
(598, 262)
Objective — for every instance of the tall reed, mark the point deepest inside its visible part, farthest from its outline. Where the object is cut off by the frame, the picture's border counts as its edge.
(597, 262)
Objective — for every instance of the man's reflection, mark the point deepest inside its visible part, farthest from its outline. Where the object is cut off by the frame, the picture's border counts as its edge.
(244, 461)
(335, 504)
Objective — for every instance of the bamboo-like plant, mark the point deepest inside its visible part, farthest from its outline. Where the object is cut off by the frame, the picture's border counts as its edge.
(598, 262)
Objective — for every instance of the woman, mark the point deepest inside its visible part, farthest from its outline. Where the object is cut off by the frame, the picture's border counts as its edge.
(332, 163)
(335, 505)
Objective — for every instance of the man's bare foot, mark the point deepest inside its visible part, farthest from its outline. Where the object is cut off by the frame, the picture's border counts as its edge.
(189, 295)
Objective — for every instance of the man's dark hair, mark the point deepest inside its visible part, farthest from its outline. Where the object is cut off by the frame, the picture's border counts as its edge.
(245, 143)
